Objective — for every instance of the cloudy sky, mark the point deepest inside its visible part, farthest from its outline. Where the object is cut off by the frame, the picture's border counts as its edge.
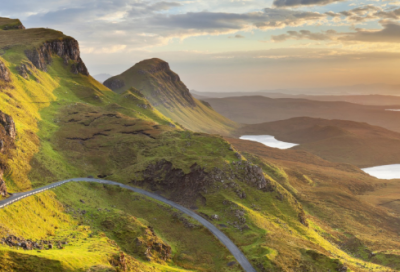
(232, 45)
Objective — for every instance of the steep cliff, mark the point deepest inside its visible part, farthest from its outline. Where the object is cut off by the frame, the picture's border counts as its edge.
(167, 93)
(166, 88)
(66, 48)
(7, 137)
(10, 24)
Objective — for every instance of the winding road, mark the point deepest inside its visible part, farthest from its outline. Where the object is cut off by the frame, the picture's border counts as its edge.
(241, 259)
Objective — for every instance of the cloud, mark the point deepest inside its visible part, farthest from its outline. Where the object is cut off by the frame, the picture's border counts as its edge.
(220, 21)
(389, 33)
(365, 13)
(237, 36)
(304, 34)
(294, 3)
(138, 24)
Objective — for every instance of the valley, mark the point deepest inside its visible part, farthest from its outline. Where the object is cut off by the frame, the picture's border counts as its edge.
(339, 141)
(259, 109)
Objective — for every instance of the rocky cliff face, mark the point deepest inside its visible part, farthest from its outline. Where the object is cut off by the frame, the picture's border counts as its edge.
(4, 72)
(114, 83)
(7, 137)
(168, 78)
(17, 25)
(187, 188)
(67, 48)
(162, 86)
(14, 27)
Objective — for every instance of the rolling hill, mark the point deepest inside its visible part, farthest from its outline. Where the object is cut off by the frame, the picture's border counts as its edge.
(341, 141)
(259, 109)
(168, 94)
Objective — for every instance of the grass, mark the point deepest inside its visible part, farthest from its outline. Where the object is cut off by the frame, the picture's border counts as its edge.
(109, 209)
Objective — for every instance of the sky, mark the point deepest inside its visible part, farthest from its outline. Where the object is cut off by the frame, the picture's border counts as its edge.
(232, 45)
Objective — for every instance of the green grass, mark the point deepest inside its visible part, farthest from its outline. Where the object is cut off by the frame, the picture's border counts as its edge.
(124, 216)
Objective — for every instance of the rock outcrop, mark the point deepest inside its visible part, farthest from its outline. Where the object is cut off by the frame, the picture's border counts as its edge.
(7, 137)
(4, 72)
(67, 48)
(184, 188)
(114, 83)
(27, 244)
(13, 26)
(79, 68)
(8, 124)
(253, 175)
(152, 246)
(26, 69)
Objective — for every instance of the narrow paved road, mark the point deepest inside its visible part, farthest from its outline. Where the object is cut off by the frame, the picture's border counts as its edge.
(242, 260)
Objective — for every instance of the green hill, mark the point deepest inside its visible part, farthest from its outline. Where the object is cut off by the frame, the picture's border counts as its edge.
(167, 93)
(278, 212)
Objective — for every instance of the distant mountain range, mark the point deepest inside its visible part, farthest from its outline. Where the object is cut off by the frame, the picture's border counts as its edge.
(102, 77)
(360, 89)
(259, 109)
(373, 100)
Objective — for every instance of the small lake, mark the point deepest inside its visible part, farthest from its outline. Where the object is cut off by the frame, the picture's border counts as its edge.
(268, 140)
(393, 109)
(385, 171)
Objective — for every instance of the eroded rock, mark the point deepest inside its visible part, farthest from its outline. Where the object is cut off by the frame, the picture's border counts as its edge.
(25, 70)
(4, 72)
(184, 188)
(8, 124)
(66, 48)
(7, 137)
(114, 83)
(153, 248)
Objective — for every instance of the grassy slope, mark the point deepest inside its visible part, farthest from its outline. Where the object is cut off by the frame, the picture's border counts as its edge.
(264, 224)
(167, 98)
(340, 141)
(33, 106)
(341, 198)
